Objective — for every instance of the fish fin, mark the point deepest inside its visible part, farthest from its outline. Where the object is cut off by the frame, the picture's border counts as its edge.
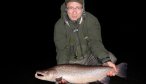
(105, 80)
(95, 82)
(61, 80)
(58, 79)
(122, 70)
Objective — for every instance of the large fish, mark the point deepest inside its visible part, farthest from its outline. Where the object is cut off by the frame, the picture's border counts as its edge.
(75, 73)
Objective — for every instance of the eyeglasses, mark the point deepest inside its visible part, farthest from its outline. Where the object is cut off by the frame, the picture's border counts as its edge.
(72, 8)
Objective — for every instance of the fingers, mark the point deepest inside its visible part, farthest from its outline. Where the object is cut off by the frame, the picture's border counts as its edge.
(114, 71)
(115, 68)
(111, 73)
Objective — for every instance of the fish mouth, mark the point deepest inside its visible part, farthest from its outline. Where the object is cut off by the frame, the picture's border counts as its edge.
(39, 74)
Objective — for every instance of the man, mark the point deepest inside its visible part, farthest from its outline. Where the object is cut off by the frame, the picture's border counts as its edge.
(77, 37)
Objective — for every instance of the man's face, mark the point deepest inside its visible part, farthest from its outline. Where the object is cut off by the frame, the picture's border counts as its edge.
(74, 10)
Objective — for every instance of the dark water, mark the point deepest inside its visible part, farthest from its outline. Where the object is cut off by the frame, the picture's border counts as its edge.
(28, 39)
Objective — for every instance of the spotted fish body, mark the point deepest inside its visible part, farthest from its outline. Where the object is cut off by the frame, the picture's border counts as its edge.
(74, 73)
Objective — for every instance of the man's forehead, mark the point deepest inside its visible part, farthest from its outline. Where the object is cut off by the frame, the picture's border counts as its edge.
(78, 1)
(73, 4)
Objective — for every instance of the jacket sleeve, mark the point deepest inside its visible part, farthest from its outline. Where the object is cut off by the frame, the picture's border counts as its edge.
(95, 40)
(61, 43)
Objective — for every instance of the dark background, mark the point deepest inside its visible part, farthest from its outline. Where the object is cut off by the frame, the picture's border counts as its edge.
(27, 37)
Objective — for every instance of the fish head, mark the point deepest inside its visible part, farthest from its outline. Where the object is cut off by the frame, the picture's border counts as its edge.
(47, 75)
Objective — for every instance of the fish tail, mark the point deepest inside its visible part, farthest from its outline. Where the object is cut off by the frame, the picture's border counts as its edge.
(122, 70)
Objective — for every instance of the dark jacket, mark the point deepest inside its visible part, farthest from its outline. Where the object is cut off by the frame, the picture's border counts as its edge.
(74, 40)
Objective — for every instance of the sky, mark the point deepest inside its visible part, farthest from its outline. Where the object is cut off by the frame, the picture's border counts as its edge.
(28, 37)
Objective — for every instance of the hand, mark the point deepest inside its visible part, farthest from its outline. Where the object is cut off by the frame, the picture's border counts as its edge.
(112, 72)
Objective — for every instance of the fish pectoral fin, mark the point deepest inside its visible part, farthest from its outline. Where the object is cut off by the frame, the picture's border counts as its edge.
(60, 80)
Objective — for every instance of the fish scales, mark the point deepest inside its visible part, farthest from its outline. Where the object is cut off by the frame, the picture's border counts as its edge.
(81, 74)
